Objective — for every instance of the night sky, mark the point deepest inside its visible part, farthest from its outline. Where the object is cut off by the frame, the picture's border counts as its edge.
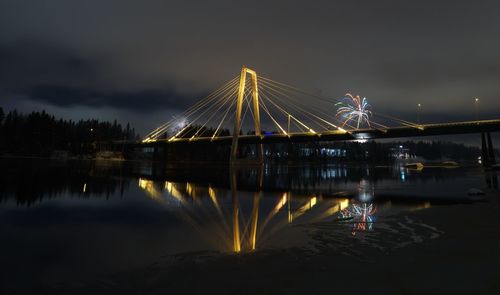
(142, 61)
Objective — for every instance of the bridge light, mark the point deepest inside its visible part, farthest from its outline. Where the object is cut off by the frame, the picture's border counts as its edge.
(476, 104)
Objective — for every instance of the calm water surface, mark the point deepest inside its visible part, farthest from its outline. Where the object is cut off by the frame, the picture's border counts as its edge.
(67, 220)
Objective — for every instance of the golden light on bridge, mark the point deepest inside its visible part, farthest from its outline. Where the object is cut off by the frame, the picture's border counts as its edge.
(305, 117)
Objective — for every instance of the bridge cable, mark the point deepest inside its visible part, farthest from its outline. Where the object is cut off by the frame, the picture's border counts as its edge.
(202, 102)
(213, 115)
(325, 99)
(303, 111)
(190, 111)
(304, 106)
(203, 113)
(224, 115)
(264, 107)
(306, 113)
(193, 108)
(342, 123)
(288, 114)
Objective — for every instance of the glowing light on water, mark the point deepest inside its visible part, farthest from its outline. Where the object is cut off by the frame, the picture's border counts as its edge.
(362, 216)
(355, 109)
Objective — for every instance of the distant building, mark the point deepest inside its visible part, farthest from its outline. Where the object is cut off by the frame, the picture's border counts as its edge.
(400, 152)
(324, 152)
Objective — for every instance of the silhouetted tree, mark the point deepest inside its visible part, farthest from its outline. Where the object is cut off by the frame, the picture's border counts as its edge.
(39, 133)
(2, 115)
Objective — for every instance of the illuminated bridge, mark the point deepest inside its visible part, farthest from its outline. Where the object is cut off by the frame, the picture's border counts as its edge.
(360, 134)
(261, 111)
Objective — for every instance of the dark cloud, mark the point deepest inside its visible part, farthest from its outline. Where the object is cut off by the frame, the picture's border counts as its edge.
(147, 100)
(429, 74)
(62, 78)
(27, 63)
(160, 55)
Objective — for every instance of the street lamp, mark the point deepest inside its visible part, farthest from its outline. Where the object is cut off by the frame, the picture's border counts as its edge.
(476, 106)
(418, 112)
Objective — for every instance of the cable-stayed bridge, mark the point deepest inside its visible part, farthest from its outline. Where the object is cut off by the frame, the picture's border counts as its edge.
(252, 109)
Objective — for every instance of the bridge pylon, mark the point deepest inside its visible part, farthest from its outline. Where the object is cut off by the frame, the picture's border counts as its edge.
(239, 106)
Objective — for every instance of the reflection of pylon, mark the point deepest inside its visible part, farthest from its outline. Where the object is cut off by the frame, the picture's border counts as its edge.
(239, 105)
(253, 221)
(252, 238)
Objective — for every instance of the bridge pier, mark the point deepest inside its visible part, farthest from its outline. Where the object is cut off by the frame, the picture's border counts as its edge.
(484, 151)
(491, 150)
(487, 150)
(159, 153)
(260, 152)
(491, 179)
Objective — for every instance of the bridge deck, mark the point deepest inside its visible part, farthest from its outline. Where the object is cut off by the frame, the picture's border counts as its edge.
(362, 134)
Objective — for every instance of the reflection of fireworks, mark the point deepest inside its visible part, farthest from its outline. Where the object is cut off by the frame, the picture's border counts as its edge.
(354, 108)
(362, 216)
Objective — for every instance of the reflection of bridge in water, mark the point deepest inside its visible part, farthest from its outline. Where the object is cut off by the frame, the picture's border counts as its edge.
(235, 220)
(245, 208)
(224, 224)
(91, 179)
(279, 113)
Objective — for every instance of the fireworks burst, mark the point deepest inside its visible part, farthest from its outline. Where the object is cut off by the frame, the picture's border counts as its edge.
(177, 125)
(353, 108)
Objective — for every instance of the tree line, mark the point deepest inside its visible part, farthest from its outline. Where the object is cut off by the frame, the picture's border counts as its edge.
(39, 134)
